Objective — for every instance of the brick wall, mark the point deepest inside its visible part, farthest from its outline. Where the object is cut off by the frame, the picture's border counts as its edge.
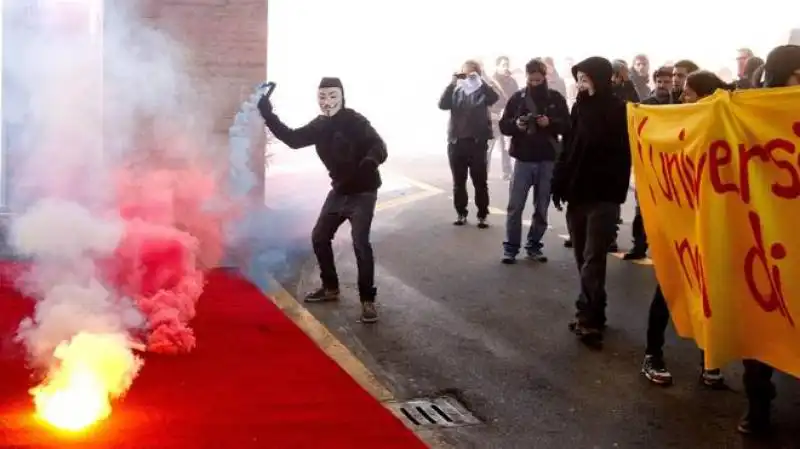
(227, 40)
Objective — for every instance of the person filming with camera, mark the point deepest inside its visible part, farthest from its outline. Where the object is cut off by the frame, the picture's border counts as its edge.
(535, 118)
(468, 99)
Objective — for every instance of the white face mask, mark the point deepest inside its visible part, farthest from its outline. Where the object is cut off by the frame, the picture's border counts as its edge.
(471, 84)
(330, 100)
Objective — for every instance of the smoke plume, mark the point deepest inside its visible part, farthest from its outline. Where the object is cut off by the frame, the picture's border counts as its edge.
(110, 183)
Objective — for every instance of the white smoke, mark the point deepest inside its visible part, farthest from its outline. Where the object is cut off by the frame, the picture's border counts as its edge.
(82, 105)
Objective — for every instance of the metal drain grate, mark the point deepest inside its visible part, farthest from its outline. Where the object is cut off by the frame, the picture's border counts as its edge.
(443, 411)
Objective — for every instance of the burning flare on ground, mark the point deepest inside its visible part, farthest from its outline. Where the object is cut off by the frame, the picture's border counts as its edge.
(89, 371)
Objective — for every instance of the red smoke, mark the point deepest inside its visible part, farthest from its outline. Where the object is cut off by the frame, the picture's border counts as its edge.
(169, 234)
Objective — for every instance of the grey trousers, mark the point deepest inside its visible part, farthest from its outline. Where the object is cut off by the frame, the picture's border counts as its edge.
(592, 227)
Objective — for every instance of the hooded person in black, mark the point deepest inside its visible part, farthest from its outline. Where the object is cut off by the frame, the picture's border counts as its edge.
(592, 176)
(782, 69)
(351, 150)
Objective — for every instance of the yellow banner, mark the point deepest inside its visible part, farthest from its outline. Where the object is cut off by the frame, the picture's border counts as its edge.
(719, 187)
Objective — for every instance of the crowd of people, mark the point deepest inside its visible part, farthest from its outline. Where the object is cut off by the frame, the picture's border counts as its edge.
(580, 158)
(567, 145)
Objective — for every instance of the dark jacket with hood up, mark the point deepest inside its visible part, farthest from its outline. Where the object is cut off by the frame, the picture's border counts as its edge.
(596, 163)
(346, 143)
(782, 62)
(541, 144)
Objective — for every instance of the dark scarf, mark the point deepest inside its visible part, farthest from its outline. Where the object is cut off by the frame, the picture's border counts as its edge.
(536, 98)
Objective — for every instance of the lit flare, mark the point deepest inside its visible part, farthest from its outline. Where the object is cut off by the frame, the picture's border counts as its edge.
(89, 371)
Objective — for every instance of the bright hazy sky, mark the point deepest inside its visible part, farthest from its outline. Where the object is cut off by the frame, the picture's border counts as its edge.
(396, 57)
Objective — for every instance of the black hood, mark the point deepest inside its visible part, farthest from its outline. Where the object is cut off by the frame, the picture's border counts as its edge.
(599, 70)
(781, 63)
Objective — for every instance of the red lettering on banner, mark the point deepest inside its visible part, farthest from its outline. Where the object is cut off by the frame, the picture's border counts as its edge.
(791, 190)
(757, 258)
(717, 161)
(639, 130)
(684, 249)
(721, 157)
(694, 174)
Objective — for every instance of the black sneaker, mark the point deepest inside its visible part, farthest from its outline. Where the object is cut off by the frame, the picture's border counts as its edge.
(536, 256)
(508, 259)
(482, 224)
(613, 248)
(568, 243)
(713, 378)
(635, 255)
(461, 220)
(369, 314)
(588, 335)
(654, 369)
(323, 294)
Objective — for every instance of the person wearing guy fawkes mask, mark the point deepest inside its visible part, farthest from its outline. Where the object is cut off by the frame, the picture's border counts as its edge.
(351, 150)
(592, 176)
(535, 118)
(782, 69)
(468, 99)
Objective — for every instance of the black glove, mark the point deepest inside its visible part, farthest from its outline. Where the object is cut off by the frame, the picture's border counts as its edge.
(265, 106)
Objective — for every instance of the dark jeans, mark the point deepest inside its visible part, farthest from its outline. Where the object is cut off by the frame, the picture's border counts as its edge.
(468, 157)
(657, 322)
(358, 209)
(637, 229)
(591, 227)
(758, 385)
(527, 176)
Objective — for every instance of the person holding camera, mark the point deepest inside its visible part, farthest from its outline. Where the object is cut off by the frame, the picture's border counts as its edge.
(535, 118)
(468, 99)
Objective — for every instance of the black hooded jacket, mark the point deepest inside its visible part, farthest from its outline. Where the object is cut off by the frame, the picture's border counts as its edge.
(596, 163)
(346, 143)
(782, 62)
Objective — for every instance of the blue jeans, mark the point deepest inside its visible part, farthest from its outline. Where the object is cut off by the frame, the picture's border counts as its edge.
(527, 175)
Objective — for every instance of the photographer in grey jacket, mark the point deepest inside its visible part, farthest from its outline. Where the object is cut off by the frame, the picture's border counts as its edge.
(468, 99)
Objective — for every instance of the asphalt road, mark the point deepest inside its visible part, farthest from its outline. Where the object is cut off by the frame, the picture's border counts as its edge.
(455, 320)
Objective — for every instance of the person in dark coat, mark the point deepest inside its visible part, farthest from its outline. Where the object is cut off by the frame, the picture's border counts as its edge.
(352, 151)
(592, 176)
(468, 99)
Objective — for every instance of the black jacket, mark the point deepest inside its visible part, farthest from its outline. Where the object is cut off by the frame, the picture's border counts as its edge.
(596, 163)
(469, 114)
(541, 145)
(626, 91)
(346, 143)
(654, 99)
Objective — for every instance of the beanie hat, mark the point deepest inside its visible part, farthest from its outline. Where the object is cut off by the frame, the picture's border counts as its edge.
(781, 63)
(332, 81)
